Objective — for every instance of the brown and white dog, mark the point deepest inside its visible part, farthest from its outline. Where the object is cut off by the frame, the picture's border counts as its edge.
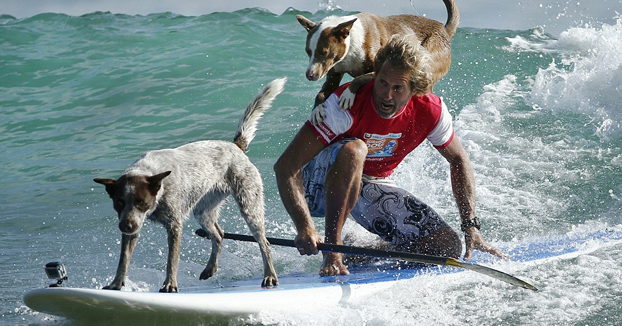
(348, 44)
(168, 185)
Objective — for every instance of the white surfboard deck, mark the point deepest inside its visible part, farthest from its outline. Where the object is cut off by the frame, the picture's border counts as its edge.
(243, 298)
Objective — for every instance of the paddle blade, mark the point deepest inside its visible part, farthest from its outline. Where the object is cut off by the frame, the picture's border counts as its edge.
(491, 272)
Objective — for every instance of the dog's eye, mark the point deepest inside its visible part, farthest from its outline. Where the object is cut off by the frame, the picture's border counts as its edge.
(141, 205)
(120, 203)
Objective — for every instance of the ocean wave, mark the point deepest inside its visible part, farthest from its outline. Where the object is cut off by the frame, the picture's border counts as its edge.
(588, 78)
(585, 78)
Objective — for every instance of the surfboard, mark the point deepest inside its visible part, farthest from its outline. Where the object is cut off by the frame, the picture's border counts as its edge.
(244, 298)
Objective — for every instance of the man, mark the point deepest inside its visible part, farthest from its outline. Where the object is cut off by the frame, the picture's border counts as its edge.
(341, 166)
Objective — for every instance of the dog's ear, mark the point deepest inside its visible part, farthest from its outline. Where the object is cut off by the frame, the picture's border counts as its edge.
(343, 30)
(155, 182)
(111, 185)
(305, 22)
(105, 181)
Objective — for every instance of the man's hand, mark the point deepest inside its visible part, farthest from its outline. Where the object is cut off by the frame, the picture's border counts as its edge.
(318, 115)
(307, 242)
(474, 241)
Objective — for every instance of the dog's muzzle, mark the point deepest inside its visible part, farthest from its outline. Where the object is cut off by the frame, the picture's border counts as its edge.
(129, 227)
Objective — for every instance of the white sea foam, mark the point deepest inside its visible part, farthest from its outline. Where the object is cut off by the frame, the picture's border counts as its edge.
(587, 80)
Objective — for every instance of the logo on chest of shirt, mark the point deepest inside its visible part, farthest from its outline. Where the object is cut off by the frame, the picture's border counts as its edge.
(381, 145)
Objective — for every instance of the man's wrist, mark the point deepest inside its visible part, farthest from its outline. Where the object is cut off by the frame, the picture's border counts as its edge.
(474, 222)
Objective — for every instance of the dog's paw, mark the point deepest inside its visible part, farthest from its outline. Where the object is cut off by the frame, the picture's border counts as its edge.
(269, 281)
(112, 287)
(169, 288)
(115, 285)
(318, 115)
(208, 272)
(346, 100)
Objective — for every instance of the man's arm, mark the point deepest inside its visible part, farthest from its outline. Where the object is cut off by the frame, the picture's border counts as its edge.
(463, 187)
(302, 149)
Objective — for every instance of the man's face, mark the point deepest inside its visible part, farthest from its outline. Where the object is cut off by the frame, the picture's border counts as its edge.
(391, 90)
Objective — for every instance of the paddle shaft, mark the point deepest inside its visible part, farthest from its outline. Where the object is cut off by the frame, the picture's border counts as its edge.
(407, 256)
(348, 250)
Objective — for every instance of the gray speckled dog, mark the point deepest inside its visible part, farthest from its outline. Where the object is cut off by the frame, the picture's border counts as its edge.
(167, 185)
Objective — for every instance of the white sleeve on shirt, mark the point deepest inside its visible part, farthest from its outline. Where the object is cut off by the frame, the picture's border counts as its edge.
(444, 129)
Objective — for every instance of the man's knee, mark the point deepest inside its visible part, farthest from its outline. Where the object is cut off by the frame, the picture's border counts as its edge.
(444, 242)
(355, 150)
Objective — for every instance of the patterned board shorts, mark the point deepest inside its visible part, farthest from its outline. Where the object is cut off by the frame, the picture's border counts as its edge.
(383, 208)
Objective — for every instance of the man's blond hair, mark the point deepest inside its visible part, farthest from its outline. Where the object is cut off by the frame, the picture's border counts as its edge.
(406, 51)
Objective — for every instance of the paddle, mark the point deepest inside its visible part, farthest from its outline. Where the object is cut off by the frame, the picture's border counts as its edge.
(407, 256)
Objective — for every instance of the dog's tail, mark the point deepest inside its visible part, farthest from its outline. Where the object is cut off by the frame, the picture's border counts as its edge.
(453, 17)
(254, 111)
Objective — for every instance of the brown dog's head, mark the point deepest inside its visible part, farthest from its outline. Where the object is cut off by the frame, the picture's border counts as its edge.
(134, 198)
(327, 43)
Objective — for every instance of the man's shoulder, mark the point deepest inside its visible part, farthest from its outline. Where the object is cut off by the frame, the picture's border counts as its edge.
(341, 89)
(364, 89)
(428, 103)
(430, 99)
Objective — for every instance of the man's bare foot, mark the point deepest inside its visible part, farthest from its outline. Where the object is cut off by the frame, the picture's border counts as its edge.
(333, 265)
